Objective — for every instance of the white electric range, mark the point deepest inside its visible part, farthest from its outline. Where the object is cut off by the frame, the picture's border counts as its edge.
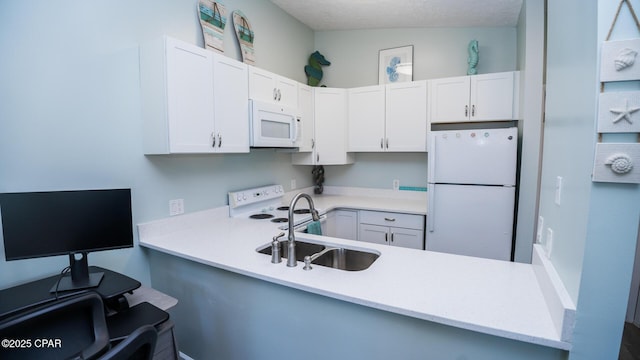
(266, 203)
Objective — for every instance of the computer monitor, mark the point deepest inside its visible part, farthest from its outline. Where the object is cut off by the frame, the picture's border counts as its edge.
(73, 223)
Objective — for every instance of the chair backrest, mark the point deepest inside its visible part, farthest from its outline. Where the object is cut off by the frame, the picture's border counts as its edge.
(140, 345)
(70, 328)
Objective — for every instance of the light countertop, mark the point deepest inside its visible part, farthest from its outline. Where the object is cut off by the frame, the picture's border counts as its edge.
(489, 296)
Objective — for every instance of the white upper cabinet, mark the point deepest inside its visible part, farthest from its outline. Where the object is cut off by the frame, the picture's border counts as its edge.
(270, 87)
(230, 95)
(305, 119)
(330, 129)
(366, 118)
(184, 110)
(388, 118)
(486, 97)
(406, 113)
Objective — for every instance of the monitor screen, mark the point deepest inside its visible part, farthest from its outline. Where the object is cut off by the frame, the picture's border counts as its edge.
(73, 223)
(37, 224)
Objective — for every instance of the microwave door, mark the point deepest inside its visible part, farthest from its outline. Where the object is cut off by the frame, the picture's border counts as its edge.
(273, 129)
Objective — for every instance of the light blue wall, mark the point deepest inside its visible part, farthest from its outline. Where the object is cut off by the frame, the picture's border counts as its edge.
(596, 225)
(530, 64)
(437, 52)
(70, 110)
(569, 133)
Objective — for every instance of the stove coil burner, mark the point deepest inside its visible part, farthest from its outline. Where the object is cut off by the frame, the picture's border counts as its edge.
(280, 220)
(283, 208)
(302, 211)
(261, 216)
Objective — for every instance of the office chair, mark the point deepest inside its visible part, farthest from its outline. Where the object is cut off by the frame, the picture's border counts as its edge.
(139, 345)
(73, 328)
(70, 328)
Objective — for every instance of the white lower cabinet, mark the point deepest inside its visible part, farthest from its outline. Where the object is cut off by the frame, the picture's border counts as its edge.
(342, 224)
(395, 229)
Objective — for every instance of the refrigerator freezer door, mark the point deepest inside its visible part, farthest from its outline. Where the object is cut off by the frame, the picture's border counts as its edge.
(471, 220)
(479, 156)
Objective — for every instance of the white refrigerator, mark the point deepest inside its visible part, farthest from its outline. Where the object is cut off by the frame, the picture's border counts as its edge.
(471, 192)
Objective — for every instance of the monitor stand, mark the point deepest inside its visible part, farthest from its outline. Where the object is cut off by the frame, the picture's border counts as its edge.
(80, 277)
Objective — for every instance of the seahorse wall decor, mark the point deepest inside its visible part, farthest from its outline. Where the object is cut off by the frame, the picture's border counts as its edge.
(314, 69)
(473, 57)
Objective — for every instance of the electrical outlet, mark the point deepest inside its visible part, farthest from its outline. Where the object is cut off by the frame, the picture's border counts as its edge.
(293, 184)
(558, 189)
(539, 231)
(176, 207)
(396, 184)
(549, 242)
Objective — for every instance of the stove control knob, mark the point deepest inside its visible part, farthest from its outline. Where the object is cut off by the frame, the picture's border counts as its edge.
(238, 197)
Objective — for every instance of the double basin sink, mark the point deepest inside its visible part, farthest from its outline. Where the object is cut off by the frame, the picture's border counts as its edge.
(326, 255)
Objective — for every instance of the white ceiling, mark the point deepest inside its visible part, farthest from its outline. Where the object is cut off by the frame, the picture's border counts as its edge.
(368, 14)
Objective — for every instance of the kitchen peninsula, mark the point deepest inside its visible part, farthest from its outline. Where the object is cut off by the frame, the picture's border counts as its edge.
(235, 303)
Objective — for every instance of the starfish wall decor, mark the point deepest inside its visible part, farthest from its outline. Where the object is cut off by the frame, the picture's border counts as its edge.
(619, 112)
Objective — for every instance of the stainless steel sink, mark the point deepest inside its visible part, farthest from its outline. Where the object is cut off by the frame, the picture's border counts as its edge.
(346, 259)
(302, 249)
(328, 256)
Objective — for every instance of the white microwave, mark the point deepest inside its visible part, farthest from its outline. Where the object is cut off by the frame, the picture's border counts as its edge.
(273, 125)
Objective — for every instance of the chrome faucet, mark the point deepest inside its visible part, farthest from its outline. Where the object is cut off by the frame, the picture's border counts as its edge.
(291, 246)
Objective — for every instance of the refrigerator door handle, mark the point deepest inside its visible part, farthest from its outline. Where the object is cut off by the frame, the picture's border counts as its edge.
(431, 165)
(430, 206)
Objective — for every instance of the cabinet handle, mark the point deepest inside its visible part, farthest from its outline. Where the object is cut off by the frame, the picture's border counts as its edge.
(219, 140)
(318, 158)
(387, 143)
(279, 95)
(473, 110)
(275, 94)
(313, 143)
(389, 219)
(386, 237)
(391, 237)
(213, 137)
(466, 110)
(381, 143)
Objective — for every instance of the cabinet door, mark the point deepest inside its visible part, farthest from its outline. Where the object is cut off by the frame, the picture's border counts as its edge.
(189, 97)
(408, 238)
(373, 234)
(346, 224)
(305, 115)
(267, 86)
(262, 85)
(492, 97)
(449, 99)
(366, 119)
(330, 108)
(406, 117)
(287, 90)
(231, 94)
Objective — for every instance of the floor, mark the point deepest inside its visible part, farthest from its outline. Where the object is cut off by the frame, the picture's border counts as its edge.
(630, 347)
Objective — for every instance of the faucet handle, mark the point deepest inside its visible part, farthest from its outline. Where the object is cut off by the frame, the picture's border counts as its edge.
(275, 238)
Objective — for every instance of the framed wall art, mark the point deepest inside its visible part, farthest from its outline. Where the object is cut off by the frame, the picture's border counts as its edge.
(395, 65)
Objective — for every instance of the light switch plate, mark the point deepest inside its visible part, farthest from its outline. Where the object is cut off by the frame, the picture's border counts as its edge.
(176, 207)
(549, 242)
(558, 190)
(539, 231)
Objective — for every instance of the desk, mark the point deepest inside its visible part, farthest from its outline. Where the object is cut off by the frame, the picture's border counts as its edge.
(35, 293)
